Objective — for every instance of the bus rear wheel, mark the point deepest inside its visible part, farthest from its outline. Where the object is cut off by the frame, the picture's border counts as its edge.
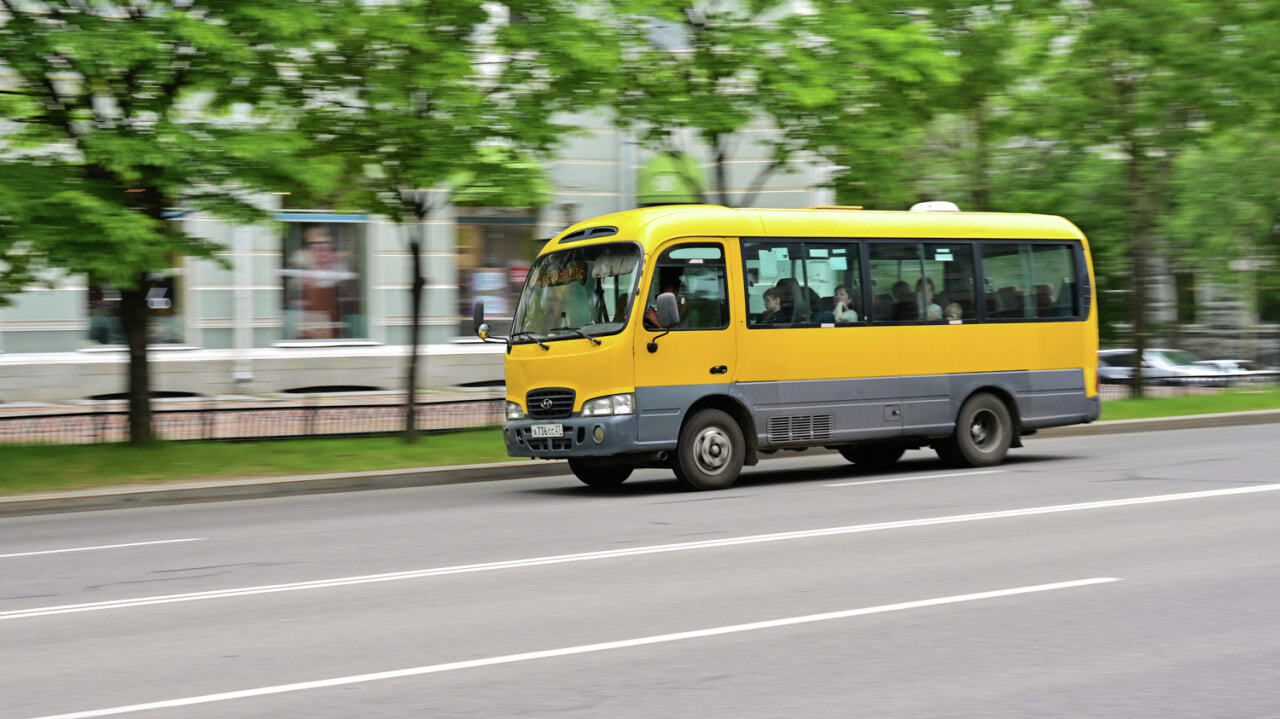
(598, 475)
(984, 431)
(873, 457)
(710, 452)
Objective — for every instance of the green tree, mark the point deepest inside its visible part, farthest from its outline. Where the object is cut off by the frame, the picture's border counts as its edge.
(834, 80)
(1143, 83)
(979, 119)
(410, 95)
(858, 91)
(1225, 214)
(118, 113)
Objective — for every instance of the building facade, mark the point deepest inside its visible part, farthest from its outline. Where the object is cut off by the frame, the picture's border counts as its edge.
(320, 300)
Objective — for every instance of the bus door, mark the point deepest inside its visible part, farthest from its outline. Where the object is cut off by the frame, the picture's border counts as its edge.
(676, 365)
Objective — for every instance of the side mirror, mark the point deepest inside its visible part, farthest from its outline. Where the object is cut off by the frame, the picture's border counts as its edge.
(668, 317)
(483, 331)
(477, 319)
(668, 310)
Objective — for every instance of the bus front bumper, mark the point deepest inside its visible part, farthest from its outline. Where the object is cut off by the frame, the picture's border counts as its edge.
(579, 437)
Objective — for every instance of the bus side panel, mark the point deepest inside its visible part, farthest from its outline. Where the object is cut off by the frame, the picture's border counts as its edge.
(817, 353)
(850, 374)
(823, 411)
(1057, 397)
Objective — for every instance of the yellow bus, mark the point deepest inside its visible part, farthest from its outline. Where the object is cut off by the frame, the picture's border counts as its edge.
(699, 338)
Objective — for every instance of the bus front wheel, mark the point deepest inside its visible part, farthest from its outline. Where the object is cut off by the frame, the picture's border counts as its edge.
(983, 434)
(710, 452)
(600, 476)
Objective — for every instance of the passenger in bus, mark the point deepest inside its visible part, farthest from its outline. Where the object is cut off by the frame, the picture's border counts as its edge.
(924, 288)
(954, 311)
(772, 308)
(795, 304)
(904, 303)
(843, 310)
(668, 281)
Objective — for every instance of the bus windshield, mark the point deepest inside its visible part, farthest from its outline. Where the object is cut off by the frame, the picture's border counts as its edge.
(583, 289)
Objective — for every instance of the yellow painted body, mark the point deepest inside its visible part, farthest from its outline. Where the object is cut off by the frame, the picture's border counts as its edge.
(621, 363)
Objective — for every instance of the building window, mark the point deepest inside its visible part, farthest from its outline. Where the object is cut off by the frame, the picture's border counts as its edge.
(163, 301)
(495, 247)
(323, 280)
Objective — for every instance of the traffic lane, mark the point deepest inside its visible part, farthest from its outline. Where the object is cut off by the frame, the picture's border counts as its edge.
(1091, 652)
(279, 638)
(345, 535)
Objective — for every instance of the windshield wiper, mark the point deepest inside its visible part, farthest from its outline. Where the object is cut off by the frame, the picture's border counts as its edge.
(531, 336)
(577, 331)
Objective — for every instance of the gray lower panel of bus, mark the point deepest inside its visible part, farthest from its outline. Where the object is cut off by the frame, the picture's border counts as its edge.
(840, 411)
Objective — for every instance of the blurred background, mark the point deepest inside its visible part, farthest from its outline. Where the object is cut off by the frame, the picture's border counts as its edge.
(226, 200)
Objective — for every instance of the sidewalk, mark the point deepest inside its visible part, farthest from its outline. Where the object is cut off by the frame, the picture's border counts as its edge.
(256, 488)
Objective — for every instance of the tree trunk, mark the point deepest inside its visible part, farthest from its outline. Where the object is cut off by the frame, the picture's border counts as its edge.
(1139, 252)
(135, 319)
(418, 284)
(722, 171)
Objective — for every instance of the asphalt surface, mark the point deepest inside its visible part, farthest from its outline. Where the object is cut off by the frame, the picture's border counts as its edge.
(117, 496)
(1107, 575)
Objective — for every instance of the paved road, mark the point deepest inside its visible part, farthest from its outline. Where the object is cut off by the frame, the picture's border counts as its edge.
(1107, 576)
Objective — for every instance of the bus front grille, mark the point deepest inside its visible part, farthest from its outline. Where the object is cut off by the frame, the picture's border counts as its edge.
(800, 428)
(549, 403)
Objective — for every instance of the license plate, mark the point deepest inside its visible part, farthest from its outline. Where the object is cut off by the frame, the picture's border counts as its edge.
(547, 430)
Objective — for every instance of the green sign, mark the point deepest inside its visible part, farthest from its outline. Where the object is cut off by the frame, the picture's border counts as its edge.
(670, 179)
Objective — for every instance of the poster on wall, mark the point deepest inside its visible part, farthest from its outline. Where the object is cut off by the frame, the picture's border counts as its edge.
(322, 281)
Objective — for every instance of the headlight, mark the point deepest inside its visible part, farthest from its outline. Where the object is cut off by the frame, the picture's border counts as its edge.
(514, 411)
(613, 404)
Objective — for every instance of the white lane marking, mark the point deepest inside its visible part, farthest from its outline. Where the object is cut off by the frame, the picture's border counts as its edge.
(101, 546)
(912, 479)
(635, 551)
(580, 649)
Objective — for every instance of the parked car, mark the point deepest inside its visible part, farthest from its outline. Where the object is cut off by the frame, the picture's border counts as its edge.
(1242, 372)
(1159, 366)
(1231, 366)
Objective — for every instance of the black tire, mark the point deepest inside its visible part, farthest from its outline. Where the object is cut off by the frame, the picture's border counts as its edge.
(710, 452)
(600, 476)
(873, 457)
(984, 432)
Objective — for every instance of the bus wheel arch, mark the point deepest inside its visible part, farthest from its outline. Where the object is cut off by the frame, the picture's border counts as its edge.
(712, 448)
(739, 413)
(986, 427)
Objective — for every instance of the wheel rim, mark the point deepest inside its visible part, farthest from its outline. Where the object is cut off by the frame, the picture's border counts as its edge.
(984, 430)
(712, 450)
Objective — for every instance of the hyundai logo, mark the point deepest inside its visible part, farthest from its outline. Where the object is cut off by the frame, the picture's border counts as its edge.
(545, 404)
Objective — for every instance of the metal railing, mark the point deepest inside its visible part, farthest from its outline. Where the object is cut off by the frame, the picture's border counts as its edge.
(1186, 385)
(222, 421)
(215, 422)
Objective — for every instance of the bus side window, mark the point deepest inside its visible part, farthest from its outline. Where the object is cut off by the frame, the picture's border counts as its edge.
(1029, 280)
(949, 273)
(834, 281)
(775, 275)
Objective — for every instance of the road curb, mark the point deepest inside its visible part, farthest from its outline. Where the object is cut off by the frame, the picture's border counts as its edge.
(1190, 421)
(259, 488)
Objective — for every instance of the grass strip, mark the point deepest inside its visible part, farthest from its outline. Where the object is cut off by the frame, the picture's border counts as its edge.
(36, 468)
(1230, 400)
